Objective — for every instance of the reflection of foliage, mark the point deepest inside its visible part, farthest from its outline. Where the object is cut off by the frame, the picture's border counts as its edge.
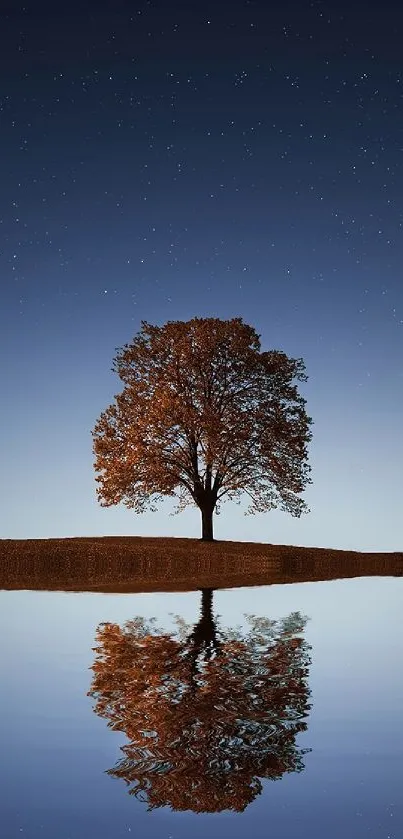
(208, 712)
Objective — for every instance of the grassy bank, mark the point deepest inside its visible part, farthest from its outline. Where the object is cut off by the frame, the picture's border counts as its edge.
(135, 564)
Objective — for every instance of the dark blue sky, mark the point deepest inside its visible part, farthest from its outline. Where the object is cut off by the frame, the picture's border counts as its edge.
(166, 160)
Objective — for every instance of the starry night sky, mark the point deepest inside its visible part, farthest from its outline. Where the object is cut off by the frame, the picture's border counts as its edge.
(165, 160)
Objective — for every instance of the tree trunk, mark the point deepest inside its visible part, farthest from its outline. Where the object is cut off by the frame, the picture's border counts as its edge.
(207, 524)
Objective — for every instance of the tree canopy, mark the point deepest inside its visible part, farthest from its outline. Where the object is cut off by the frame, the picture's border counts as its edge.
(208, 713)
(204, 416)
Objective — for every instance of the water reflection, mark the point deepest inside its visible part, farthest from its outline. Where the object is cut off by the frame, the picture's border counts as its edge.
(208, 712)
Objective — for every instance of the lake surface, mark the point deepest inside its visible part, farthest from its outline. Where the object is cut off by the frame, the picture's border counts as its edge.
(285, 723)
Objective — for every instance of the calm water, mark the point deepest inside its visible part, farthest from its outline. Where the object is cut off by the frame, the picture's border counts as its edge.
(285, 723)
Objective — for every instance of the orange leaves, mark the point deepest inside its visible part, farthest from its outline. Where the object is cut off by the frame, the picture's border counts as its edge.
(203, 415)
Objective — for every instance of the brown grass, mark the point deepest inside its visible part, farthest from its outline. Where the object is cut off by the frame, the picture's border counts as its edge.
(136, 564)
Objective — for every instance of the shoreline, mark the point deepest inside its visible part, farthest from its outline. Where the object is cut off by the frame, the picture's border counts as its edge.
(134, 564)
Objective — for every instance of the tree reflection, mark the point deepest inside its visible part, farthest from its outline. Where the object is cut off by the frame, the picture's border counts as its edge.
(208, 712)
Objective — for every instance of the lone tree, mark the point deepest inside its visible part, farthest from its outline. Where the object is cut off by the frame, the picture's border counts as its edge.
(204, 415)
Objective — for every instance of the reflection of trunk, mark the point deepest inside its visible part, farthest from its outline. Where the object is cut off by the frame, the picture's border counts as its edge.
(203, 643)
(207, 606)
(204, 636)
(207, 524)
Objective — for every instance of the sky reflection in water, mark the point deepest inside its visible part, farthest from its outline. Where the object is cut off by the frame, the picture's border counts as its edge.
(338, 739)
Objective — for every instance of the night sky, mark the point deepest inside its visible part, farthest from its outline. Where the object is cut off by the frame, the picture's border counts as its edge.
(163, 161)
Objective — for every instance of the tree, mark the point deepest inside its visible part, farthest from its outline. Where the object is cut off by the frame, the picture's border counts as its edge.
(207, 713)
(204, 415)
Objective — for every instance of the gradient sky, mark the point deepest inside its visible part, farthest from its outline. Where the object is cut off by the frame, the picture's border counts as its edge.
(166, 160)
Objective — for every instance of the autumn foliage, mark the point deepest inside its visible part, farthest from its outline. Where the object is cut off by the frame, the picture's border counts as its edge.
(204, 415)
(208, 714)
